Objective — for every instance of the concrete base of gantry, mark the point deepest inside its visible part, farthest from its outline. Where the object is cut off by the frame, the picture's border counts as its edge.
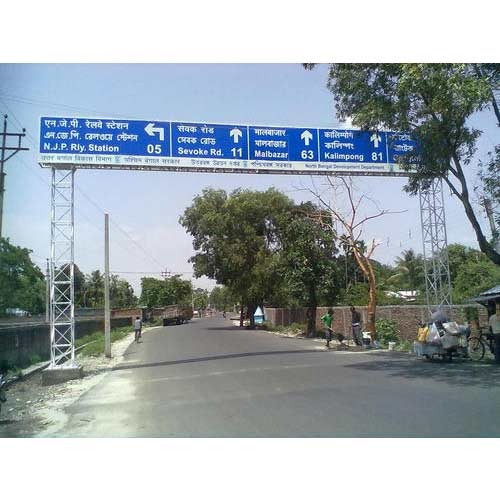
(60, 374)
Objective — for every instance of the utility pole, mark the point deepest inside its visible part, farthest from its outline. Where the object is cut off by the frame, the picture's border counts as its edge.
(494, 232)
(107, 313)
(47, 293)
(3, 158)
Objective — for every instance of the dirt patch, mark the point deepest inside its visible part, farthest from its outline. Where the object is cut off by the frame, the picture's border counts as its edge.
(33, 410)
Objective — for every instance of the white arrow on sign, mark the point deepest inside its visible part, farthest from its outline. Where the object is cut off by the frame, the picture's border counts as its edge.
(152, 130)
(236, 133)
(375, 138)
(306, 136)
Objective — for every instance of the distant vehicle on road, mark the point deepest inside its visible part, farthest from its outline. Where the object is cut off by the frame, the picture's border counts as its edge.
(176, 314)
(15, 311)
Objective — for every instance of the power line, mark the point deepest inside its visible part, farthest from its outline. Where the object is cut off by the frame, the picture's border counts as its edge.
(89, 199)
(25, 100)
(172, 273)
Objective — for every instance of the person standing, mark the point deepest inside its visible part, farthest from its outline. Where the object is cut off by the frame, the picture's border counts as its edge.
(494, 326)
(327, 321)
(138, 328)
(356, 326)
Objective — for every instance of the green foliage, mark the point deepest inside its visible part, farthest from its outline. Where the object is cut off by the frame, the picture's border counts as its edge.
(473, 278)
(95, 341)
(356, 295)
(471, 272)
(431, 102)
(222, 298)
(410, 271)
(89, 290)
(306, 257)
(200, 299)
(386, 331)
(470, 314)
(404, 346)
(489, 176)
(94, 289)
(34, 359)
(164, 292)
(234, 237)
(22, 283)
(121, 293)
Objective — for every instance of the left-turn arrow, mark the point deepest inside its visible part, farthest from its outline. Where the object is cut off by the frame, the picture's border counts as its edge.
(152, 130)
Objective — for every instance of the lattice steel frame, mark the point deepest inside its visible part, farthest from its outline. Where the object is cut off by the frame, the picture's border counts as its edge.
(435, 246)
(62, 311)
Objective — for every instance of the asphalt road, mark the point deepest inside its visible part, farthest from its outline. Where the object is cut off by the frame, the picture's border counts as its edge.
(210, 379)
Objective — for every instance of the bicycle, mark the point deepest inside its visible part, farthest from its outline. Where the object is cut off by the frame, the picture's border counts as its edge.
(476, 345)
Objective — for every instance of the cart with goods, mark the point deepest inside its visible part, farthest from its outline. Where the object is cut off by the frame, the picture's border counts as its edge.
(442, 339)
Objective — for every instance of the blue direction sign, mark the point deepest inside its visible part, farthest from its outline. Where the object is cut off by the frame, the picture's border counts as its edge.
(401, 145)
(95, 136)
(352, 146)
(197, 140)
(283, 144)
(164, 145)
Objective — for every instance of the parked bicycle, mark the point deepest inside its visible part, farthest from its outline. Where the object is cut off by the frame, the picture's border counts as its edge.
(477, 344)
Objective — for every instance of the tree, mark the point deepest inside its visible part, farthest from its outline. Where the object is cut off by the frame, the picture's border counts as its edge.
(473, 278)
(470, 272)
(200, 299)
(410, 270)
(164, 292)
(489, 192)
(433, 103)
(121, 293)
(79, 286)
(22, 283)
(352, 224)
(94, 289)
(222, 298)
(234, 237)
(306, 259)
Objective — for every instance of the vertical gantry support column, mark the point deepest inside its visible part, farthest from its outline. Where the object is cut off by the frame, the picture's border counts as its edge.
(435, 246)
(62, 293)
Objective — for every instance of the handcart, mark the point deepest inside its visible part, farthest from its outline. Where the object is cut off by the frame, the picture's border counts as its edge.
(443, 340)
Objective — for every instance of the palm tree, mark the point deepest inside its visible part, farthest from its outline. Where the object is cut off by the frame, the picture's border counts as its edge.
(410, 270)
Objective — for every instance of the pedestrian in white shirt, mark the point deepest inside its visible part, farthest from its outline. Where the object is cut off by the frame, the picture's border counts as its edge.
(138, 328)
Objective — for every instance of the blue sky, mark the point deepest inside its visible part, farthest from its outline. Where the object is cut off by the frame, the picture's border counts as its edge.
(147, 205)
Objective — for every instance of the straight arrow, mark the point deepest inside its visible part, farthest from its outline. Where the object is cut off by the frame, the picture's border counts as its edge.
(235, 133)
(306, 136)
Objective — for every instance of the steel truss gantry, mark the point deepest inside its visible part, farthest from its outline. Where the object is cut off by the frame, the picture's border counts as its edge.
(62, 312)
(435, 246)
(62, 293)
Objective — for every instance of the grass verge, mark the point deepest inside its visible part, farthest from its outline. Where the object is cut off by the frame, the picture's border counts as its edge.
(95, 340)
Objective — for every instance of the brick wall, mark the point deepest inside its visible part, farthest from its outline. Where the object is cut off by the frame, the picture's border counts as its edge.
(407, 318)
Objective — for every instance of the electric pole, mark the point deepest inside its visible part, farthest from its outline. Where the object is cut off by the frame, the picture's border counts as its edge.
(107, 312)
(494, 232)
(3, 158)
(47, 293)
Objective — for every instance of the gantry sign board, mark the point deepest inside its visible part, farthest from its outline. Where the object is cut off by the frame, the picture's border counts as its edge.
(160, 145)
